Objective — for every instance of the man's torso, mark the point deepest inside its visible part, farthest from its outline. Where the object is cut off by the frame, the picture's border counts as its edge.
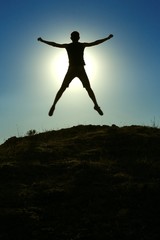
(75, 52)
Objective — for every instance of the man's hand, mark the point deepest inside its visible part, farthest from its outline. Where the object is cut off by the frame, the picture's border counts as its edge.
(110, 36)
(39, 39)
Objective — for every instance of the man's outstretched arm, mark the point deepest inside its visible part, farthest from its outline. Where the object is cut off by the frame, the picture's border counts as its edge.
(53, 44)
(98, 41)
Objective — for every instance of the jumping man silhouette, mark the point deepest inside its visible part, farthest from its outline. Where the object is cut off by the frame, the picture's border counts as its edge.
(75, 51)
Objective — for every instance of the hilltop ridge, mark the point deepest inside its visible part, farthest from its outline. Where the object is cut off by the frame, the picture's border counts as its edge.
(88, 142)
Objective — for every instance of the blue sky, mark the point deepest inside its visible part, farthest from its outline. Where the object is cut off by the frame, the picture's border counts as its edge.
(124, 71)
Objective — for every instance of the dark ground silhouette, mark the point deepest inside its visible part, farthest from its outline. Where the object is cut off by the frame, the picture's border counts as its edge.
(75, 52)
(85, 182)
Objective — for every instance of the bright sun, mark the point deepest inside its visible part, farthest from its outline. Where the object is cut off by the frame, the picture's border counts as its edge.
(59, 65)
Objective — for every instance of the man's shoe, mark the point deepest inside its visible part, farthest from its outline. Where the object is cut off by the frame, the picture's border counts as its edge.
(51, 111)
(97, 108)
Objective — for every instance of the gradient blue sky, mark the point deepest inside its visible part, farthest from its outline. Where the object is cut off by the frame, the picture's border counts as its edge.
(126, 69)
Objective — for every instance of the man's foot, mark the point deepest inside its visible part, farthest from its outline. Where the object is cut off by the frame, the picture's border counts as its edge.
(97, 108)
(51, 111)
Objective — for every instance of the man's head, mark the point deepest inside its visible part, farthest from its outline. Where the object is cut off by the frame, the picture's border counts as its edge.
(75, 36)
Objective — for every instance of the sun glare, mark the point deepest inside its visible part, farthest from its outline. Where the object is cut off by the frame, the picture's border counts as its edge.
(59, 65)
(91, 65)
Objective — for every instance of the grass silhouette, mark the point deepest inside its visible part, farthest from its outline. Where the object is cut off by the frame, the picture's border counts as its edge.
(84, 182)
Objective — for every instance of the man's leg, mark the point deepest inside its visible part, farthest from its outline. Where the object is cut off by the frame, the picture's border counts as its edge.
(58, 96)
(68, 78)
(92, 96)
(86, 84)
